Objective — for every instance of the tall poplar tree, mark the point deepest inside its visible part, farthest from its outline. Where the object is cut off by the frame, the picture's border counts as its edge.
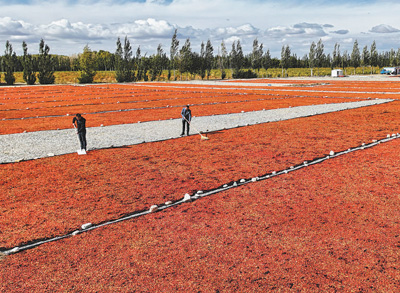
(209, 56)
(285, 58)
(311, 57)
(223, 59)
(8, 64)
(157, 63)
(365, 58)
(256, 55)
(185, 58)
(319, 55)
(128, 61)
(267, 61)
(355, 57)
(202, 61)
(174, 51)
(236, 57)
(373, 55)
(123, 62)
(45, 64)
(28, 63)
(336, 57)
(119, 66)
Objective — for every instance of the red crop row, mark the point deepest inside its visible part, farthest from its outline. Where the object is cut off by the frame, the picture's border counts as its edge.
(221, 103)
(51, 196)
(386, 85)
(330, 227)
(107, 104)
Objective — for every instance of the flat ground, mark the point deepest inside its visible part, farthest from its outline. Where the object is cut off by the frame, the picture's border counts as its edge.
(330, 226)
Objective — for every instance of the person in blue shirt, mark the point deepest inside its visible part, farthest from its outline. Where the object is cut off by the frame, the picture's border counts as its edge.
(186, 118)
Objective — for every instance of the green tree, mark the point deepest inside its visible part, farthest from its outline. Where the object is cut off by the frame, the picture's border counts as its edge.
(355, 57)
(123, 62)
(319, 55)
(104, 60)
(256, 55)
(365, 57)
(139, 62)
(336, 57)
(185, 58)
(174, 51)
(397, 58)
(119, 63)
(345, 61)
(45, 64)
(128, 61)
(222, 59)
(200, 61)
(209, 56)
(311, 56)
(28, 63)
(236, 57)
(373, 55)
(267, 61)
(157, 63)
(8, 64)
(285, 58)
(392, 57)
(87, 65)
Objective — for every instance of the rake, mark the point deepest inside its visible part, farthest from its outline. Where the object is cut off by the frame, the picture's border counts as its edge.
(203, 137)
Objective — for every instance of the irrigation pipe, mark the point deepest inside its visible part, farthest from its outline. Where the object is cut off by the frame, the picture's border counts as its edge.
(198, 194)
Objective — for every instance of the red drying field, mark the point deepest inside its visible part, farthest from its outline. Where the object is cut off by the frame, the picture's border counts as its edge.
(44, 108)
(330, 227)
(52, 196)
(333, 226)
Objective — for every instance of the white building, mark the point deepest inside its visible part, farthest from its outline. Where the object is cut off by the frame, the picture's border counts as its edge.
(337, 73)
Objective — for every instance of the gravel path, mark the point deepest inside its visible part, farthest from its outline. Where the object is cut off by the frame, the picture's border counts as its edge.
(40, 144)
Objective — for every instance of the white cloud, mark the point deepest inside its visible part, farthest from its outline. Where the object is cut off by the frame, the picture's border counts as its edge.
(305, 30)
(384, 29)
(69, 27)
(8, 25)
(340, 32)
(149, 28)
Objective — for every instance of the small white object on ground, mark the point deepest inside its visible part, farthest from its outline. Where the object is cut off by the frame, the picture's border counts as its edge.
(187, 197)
(86, 226)
(153, 208)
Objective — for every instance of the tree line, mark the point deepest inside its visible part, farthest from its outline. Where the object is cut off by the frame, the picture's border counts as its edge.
(183, 61)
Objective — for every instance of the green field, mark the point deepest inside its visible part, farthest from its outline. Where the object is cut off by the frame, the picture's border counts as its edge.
(71, 77)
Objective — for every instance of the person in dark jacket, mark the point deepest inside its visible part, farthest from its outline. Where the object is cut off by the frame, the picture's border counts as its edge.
(80, 124)
(186, 118)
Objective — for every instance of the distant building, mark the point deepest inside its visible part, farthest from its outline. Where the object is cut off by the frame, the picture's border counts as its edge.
(337, 73)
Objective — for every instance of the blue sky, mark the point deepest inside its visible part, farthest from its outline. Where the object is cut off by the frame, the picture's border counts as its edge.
(67, 26)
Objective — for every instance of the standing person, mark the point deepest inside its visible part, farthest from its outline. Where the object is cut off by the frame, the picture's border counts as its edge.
(186, 118)
(80, 124)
